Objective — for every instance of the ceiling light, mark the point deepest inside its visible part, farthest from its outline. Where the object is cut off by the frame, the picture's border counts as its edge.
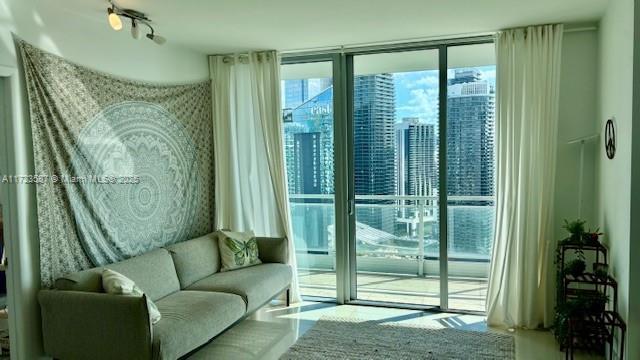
(135, 29)
(156, 38)
(137, 18)
(114, 19)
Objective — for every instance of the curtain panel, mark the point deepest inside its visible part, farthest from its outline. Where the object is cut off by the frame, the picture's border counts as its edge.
(251, 179)
(528, 81)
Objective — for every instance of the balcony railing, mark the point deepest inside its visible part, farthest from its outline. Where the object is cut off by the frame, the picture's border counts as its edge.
(397, 248)
(398, 234)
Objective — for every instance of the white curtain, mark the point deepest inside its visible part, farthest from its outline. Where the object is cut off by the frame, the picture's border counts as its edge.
(527, 77)
(251, 183)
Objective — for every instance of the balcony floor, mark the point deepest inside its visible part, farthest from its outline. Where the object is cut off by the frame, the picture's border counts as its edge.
(464, 293)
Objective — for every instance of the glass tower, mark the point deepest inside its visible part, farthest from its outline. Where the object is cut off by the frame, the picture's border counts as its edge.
(374, 146)
(470, 164)
(308, 138)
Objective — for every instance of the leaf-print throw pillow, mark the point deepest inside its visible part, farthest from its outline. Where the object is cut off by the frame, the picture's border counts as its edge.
(237, 249)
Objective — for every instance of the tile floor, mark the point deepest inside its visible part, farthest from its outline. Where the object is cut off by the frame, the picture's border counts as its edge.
(273, 329)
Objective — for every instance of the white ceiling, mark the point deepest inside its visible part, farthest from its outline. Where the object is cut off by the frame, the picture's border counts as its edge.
(395, 62)
(219, 26)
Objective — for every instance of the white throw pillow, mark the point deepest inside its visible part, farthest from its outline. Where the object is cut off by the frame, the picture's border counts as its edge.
(115, 283)
(237, 249)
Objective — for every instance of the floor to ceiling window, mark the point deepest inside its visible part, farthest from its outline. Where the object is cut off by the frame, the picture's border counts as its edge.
(470, 172)
(395, 152)
(307, 102)
(407, 163)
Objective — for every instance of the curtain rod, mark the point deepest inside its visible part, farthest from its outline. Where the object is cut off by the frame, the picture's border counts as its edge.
(243, 58)
(360, 46)
(434, 40)
(580, 29)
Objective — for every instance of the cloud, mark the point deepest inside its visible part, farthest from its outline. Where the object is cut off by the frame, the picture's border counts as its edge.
(429, 80)
(417, 95)
(412, 80)
(422, 103)
(417, 92)
(489, 75)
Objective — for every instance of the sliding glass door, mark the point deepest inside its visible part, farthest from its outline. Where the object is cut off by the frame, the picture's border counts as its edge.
(391, 173)
(307, 112)
(395, 167)
(470, 160)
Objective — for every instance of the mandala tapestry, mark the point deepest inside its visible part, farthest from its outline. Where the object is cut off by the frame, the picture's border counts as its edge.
(122, 167)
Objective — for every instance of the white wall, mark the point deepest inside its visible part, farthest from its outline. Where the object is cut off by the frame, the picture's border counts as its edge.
(614, 176)
(577, 118)
(634, 246)
(85, 38)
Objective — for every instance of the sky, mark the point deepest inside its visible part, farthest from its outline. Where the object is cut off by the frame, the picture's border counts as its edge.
(417, 92)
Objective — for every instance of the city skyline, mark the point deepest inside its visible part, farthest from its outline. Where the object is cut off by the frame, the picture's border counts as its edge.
(416, 91)
(395, 153)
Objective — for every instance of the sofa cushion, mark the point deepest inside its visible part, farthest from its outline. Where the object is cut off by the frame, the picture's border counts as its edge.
(256, 284)
(87, 280)
(153, 272)
(195, 259)
(190, 319)
(273, 249)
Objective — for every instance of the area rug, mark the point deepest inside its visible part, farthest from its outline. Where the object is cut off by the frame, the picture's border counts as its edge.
(340, 338)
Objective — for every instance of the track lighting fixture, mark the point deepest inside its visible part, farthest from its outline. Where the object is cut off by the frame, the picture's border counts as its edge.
(114, 14)
(135, 29)
(156, 38)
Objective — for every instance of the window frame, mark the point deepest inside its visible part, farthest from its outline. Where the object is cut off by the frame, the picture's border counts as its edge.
(344, 158)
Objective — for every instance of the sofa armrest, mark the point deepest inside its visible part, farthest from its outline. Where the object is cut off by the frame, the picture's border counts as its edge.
(273, 249)
(89, 325)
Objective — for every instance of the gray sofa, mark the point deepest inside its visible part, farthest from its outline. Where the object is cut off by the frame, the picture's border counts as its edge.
(196, 300)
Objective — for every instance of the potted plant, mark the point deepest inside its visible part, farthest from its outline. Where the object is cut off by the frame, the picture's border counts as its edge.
(565, 311)
(576, 267)
(560, 324)
(575, 229)
(591, 237)
(600, 270)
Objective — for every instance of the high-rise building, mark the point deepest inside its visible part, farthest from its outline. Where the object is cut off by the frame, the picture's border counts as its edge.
(402, 154)
(297, 92)
(374, 146)
(416, 169)
(316, 86)
(470, 135)
(306, 160)
(470, 160)
(465, 75)
(308, 138)
(417, 166)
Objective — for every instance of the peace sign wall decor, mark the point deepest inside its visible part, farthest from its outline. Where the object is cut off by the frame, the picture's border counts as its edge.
(610, 139)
